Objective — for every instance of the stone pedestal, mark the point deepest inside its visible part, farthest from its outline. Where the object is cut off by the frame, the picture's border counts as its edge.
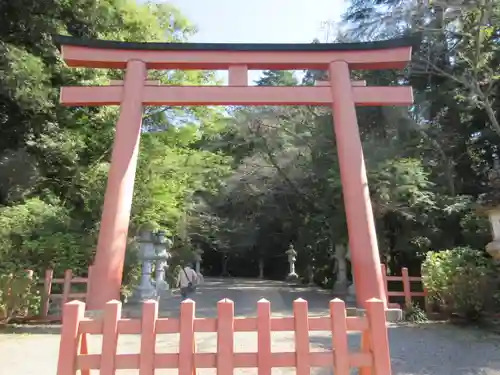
(197, 259)
(261, 268)
(391, 315)
(340, 288)
(351, 293)
(292, 257)
(145, 290)
(310, 275)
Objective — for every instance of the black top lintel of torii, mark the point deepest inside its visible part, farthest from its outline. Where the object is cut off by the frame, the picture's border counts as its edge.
(408, 41)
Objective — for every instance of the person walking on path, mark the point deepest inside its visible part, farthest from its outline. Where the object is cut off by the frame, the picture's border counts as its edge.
(187, 281)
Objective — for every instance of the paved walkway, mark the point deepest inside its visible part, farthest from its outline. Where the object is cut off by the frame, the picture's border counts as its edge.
(435, 349)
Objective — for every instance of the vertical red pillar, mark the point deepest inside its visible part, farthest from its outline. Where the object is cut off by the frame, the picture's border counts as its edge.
(365, 258)
(106, 276)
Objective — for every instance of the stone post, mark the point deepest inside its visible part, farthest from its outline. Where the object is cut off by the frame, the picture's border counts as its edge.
(310, 275)
(197, 258)
(145, 290)
(341, 283)
(292, 257)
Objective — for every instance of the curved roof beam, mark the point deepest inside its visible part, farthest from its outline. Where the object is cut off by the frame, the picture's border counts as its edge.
(387, 54)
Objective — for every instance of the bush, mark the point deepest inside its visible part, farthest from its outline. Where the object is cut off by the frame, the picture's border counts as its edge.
(460, 281)
(19, 297)
(414, 314)
(38, 235)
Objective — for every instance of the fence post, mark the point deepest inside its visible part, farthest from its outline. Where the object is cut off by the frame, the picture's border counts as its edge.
(68, 347)
(112, 314)
(340, 345)
(366, 348)
(47, 290)
(406, 287)
(379, 342)
(301, 335)
(148, 338)
(225, 337)
(84, 349)
(264, 355)
(186, 338)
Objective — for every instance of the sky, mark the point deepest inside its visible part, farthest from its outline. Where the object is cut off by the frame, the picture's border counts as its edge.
(260, 21)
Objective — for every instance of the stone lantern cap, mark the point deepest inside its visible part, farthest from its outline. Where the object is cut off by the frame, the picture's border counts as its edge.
(145, 236)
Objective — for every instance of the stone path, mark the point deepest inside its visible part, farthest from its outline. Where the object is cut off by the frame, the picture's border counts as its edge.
(436, 349)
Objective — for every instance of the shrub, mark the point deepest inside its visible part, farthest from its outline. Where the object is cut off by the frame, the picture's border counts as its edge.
(19, 297)
(459, 280)
(38, 235)
(414, 314)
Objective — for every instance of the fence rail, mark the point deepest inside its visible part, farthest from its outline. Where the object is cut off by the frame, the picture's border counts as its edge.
(67, 282)
(373, 355)
(407, 292)
(67, 295)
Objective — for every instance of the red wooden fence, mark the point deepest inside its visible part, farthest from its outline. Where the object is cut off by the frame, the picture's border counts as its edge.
(373, 356)
(67, 295)
(407, 292)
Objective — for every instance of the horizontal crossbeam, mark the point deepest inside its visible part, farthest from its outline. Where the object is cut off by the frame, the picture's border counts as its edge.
(387, 54)
(235, 95)
(157, 83)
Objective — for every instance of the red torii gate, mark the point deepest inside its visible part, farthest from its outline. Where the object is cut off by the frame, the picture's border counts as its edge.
(135, 92)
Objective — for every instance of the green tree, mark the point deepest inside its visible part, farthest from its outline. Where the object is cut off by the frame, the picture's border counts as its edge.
(277, 78)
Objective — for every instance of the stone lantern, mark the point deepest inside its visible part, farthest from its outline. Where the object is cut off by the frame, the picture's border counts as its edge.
(197, 259)
(292, 257)
(162, 246)
(341, 285)
(261, 268)
(145, 290)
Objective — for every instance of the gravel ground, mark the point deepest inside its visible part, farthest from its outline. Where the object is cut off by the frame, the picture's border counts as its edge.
(415, 350)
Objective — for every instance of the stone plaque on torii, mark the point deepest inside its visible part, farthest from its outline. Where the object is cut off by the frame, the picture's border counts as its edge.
(135, 91)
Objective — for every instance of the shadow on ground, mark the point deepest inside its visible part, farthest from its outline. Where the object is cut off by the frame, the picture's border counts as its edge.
(435, 349)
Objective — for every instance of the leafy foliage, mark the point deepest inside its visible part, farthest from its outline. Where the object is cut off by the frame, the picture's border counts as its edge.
(54, 160)
(18, 296)
(415, 314)
(244, 183)
(461, 281)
